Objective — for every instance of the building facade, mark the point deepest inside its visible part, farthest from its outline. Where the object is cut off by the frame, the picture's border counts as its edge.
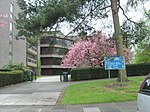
(12, 49)
(52, 50)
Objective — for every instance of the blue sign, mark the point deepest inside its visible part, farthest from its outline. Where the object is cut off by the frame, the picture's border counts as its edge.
(114, 63)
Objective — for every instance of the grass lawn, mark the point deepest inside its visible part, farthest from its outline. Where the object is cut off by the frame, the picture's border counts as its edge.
(39, 76)
(102, 91)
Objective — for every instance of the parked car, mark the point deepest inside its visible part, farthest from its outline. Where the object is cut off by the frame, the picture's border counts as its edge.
(143, 100)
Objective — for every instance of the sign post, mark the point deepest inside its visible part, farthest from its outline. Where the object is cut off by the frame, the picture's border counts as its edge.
(114, 63)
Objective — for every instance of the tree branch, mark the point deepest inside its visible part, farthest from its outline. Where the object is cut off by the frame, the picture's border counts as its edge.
(148, 15)
(86, 17)
(127, 16)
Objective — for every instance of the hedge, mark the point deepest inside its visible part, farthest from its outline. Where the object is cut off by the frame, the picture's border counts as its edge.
(4, 70)
(10, 77)
(100, 72)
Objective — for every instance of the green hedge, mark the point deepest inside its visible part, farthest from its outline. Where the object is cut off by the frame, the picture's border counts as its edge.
(4, 70)
(100, 73)
(10, 77)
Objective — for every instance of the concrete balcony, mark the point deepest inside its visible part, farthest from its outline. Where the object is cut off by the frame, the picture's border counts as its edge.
(31, 62)
(31, 49)
(51, 55)
(56, 46)
(54, 66)
(51, 66)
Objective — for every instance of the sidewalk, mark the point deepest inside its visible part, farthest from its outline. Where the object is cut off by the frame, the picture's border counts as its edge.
(42, 95)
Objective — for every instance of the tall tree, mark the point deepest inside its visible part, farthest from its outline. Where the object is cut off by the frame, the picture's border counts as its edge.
(142, 52)
(139, 35)
(40, 16)
(134, 33)
(118, 35)
(91, 51)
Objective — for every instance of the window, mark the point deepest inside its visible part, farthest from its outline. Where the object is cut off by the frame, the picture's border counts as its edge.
(146, 87)
(10, 47)
(11, 15)
(10, 38)
(10, 53)
(10, 57)
(11, 8)
(11, 27)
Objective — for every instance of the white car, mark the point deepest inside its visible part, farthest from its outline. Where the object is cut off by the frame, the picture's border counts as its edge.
(143, 101)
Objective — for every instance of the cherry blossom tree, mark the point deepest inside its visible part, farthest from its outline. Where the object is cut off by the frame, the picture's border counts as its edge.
(90, 51)
(3, 21)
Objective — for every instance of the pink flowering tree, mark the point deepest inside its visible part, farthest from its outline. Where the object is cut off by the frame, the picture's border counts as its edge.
(90, 51)
(3, 20)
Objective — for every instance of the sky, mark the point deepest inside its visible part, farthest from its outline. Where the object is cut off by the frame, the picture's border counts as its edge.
(103, 25)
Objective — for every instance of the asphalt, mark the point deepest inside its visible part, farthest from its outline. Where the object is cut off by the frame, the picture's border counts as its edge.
(43, 95)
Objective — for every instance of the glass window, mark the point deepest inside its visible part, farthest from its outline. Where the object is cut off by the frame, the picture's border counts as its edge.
(11, 16)
(10, 57)
(10, 38)
(10, 51)
(11, 8)
(146, 86)
(10, 46)
(11, 27)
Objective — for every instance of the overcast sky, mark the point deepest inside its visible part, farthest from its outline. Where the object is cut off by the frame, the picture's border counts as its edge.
(102, 24)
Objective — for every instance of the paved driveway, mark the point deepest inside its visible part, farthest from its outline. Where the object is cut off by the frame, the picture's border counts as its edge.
(44, 91)
(42, 96)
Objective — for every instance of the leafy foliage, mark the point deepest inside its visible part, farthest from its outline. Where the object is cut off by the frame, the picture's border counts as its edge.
(41, 16)
(36, 16)
(27, 72)
(142, 53)
(135, 33)
(135, 3)
(92, 50)
(3, 20)
(44, 15)
(89, 73)
(10, 77)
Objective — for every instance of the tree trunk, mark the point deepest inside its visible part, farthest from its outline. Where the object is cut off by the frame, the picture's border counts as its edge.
(118, 36)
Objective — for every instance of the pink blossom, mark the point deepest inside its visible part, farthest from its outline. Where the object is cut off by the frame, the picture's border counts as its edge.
(91, 51)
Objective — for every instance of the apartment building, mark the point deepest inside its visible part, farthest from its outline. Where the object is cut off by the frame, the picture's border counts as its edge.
(52, 50)
(12, 49)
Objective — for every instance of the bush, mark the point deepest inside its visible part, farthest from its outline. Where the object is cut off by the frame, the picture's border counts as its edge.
(11, 77)
(100, 72)
(27, 72)
(5, 70)
(138, 69)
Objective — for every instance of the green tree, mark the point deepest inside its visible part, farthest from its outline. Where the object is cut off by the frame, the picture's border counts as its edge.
(133, 34)
(138, 35)
(142, 53)
(41, 16)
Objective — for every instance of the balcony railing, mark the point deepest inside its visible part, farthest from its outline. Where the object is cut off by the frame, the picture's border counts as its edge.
(52, 55)
(31, 62)
(54, 66)
(57, 46)
(31, 49)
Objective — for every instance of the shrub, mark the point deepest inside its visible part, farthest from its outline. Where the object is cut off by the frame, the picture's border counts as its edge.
(100, 72)
(4, 70)
(11, 77)
(27, 72)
